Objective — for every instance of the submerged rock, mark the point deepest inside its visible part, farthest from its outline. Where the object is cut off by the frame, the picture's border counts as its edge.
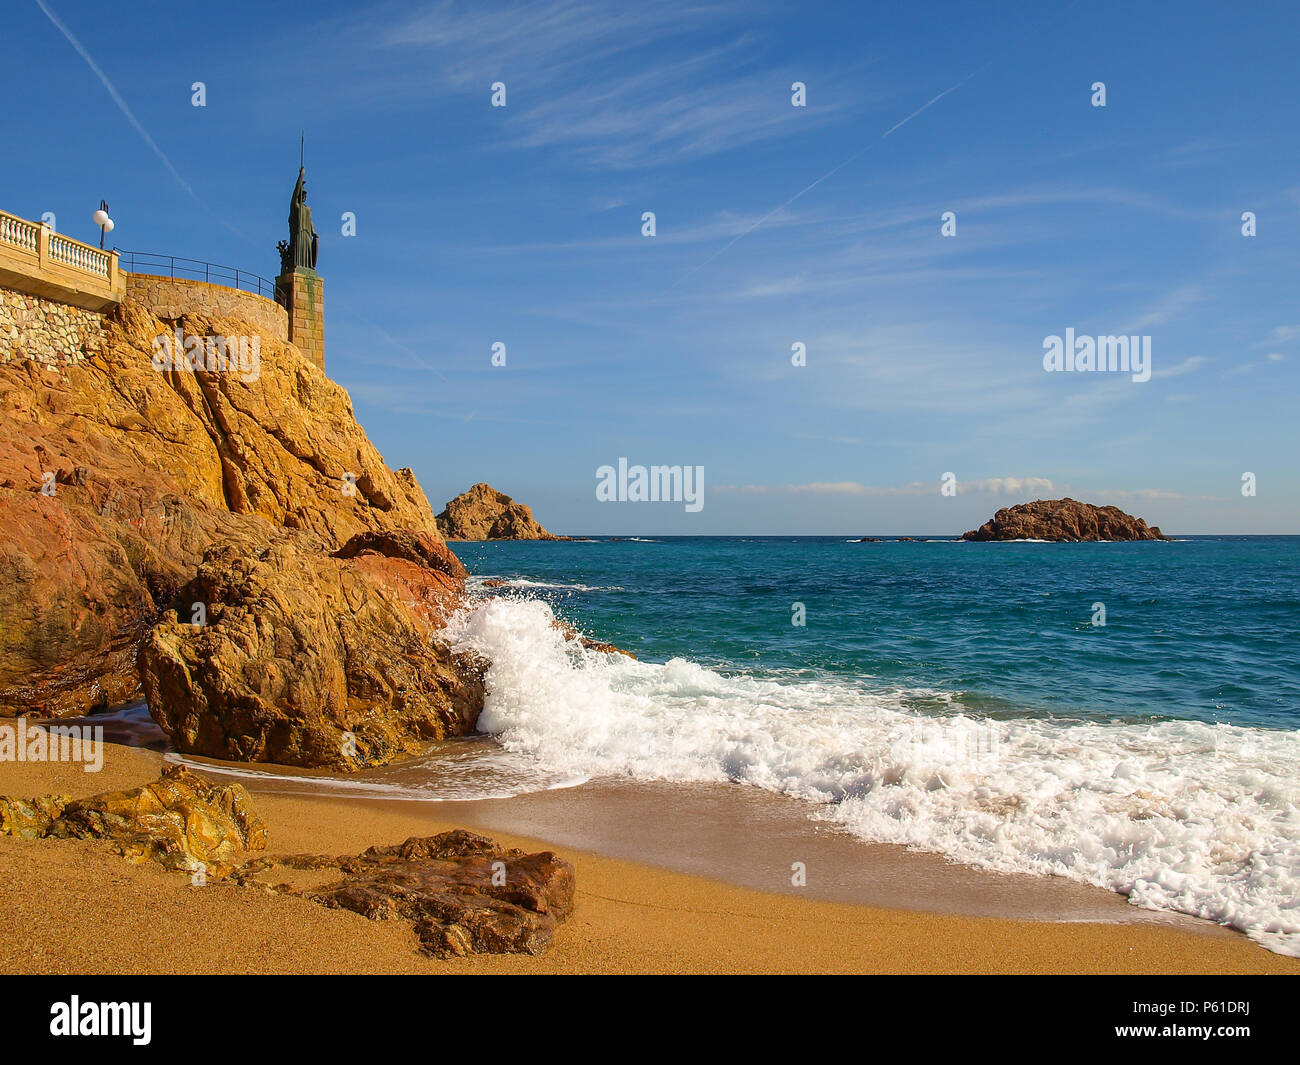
(1063, 519)
(463, 892)
(309, 658)
(568, 631)
(570, 634)
(181, 820)
(483, 513)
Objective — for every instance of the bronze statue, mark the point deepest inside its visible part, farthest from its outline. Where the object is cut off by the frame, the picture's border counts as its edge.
(300, 252)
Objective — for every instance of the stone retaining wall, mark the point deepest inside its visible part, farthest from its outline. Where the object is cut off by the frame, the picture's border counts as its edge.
(46, 330)
(173, 298)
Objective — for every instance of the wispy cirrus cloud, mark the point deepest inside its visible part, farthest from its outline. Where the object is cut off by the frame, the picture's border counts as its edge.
(616, 85)
(722, 225)
(1188, 365)
(1169, 307)
(1142, 495)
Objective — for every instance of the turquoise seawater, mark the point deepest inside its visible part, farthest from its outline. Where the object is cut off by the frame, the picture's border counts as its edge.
(1206, 629)
(950, 697)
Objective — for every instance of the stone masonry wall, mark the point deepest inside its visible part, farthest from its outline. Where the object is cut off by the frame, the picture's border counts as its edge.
(172, 298)
(304, 293)
(47, 331)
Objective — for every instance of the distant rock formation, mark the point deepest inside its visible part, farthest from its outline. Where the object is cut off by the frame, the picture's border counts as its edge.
(483, 513)
(1063, 519)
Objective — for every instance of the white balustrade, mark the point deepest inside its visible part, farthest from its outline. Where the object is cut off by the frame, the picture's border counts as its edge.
(82, 256)
(19, 232)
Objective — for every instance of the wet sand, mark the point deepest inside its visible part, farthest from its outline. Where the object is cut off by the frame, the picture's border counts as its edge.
(751, 838)
(670, 879)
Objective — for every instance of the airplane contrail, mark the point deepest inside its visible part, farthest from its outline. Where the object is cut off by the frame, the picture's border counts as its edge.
(833, 170)
(144, 133)
(117, 98)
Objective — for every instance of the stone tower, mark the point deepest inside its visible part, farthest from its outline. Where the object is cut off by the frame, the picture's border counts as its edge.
(299, 289)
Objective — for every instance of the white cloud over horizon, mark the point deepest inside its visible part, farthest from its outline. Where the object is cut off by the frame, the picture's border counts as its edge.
(1010, 486)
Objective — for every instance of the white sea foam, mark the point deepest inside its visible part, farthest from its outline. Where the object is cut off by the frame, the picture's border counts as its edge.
(473, 776)
(1179, 815)
(477, 583)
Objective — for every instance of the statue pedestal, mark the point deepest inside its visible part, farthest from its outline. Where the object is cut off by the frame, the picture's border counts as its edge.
(302, 293)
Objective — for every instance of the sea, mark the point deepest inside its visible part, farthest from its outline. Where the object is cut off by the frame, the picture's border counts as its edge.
(1125, 715)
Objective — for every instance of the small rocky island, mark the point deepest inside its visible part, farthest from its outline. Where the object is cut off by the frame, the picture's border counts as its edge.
(1065, 520)
(483, 513)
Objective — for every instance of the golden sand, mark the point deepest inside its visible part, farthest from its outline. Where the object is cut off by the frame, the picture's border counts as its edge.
(73, 907)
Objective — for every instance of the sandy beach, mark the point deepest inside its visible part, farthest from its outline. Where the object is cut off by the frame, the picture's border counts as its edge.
(74, 907)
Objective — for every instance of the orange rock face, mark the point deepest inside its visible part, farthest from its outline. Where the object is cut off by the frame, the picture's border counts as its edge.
(314, 659)
(1063, 519)
(483, 513)
(116, 477)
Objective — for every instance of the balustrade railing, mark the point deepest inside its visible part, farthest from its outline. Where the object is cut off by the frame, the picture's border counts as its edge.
(82, 256)
(40, 262)
(19, 232)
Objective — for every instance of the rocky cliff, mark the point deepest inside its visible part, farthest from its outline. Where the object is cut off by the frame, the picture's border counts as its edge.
(230, 509)
(483, 513)
(1063, 519)
(314, 658)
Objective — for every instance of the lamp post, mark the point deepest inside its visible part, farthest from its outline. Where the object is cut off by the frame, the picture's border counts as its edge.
(103, 221)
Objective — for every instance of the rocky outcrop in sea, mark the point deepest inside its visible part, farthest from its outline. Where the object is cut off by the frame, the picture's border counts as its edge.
(1063, 519)
(483, 513)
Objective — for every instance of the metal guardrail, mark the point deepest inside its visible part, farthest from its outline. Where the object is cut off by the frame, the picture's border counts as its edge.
(143, 262)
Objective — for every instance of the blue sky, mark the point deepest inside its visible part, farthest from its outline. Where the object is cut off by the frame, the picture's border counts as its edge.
(774, 225)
